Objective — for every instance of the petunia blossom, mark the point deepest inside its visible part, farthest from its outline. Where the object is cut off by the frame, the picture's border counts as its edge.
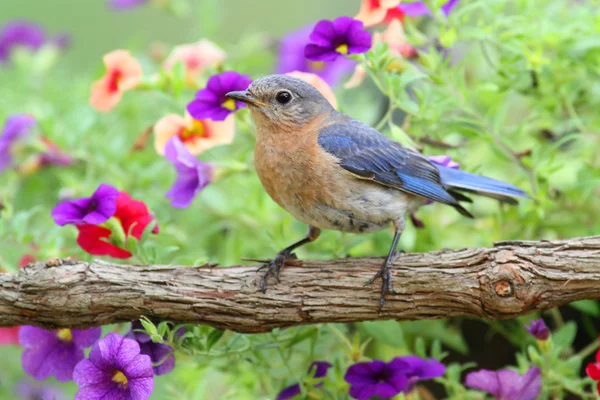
(15, 128)
(331, 39)
(212, 102)
(507, 384)
(132, 217)
(377, 378)
(54, 352)
(318, 83)
(373, 12)
(125, 4)
(193, 175)
(161, 354)
(31, 390)
(196, 58)
(115, 369)
(418, 369)
(320, 370)
(94, 210)
(123, 72)
(20, 34)
(419, 8)
(197, 135)
(9, 335)
(538, 329)
(593, 370)
(291, 58)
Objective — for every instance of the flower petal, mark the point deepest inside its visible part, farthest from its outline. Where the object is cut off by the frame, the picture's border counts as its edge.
(86, 337)
(93, 238)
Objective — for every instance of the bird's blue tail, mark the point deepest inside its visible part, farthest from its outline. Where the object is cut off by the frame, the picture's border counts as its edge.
(467, 182)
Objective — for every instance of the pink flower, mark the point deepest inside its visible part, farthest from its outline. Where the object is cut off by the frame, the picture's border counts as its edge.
(373, 12)
(319, 84)
(196, 57)
(123, 72)
(196, 135)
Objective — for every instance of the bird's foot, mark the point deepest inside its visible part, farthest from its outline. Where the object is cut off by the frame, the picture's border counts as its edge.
(385, 273)
(274, 267)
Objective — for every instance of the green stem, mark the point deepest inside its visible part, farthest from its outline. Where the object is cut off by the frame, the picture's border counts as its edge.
(557, 317)
(589, 349)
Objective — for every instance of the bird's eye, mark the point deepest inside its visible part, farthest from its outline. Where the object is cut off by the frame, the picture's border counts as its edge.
(283, 97)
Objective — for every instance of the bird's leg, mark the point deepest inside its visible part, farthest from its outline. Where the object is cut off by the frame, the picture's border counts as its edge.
(385, 272)
(279, 261)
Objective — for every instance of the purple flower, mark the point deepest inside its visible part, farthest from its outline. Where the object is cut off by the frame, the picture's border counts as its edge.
(92, 210)
(507, 384)
(20, 34)
(444, 161)
(330, 39)
(291, 58)
(419, 369)
(54, 353)
(125, 4)
(538, 329)
(115, 370)
(34, 391)
(377, 378)
(158, 352)
(419, 8)
(15, 128)
(320, 368)
(192, 175)
(211, 101)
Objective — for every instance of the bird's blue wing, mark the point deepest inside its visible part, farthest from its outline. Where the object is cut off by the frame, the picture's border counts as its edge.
(370, 155)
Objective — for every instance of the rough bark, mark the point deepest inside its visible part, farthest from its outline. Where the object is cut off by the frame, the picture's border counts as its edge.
(513, 278)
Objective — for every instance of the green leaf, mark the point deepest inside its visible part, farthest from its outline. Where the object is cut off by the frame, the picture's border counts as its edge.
(420, 348)
(564, 337)
(590, 307)
(387, 332)
(213, 338)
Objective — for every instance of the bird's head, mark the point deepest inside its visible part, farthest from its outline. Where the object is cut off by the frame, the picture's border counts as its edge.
(282, 100)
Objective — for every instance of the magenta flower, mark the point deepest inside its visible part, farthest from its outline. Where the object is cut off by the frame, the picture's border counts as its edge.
(444, 161)
(192, 175)
(114, 370)
(419, 8)
(125, 4)
(158, 352)
(330, 39)
(25, 34)
(212, 102)
(93, 210)
(54, 353)
(35, 391)
(15, 128)
(507, 384)
(538, 329)
(291, 58)
(320, 368)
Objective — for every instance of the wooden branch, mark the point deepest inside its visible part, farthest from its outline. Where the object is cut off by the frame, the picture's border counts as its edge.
(510, 279)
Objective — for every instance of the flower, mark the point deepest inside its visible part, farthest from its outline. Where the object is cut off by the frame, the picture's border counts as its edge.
(53, 154)
(123, 72)
(377, 378)
(320, 368)
(330, 39)
(593, 370)
(94, 210)
(291, 58)
(35, 391)
(211, 101)
(444, 161)
(196, 58)
(131, 218)
(398, 47)
(158, 352)
(196, 135)
(15, 128)
(20, 34)
(192, 174)
(9, 335)
(116, 370)
(373, 12)
(318, 83)
(125, 4)
(507, 384)
(421, 369)
(538, 329)
(419, 8)
(54, 353)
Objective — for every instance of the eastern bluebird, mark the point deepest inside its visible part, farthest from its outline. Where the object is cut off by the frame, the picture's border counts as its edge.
(333, 172)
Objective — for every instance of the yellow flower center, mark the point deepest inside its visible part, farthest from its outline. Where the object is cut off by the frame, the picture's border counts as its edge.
(342, 48)
(119, 378)
(65, 335)
(317, 65)
(229, 104)
(196, 129)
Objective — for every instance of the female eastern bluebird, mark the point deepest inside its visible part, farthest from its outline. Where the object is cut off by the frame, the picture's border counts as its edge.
(333, 172)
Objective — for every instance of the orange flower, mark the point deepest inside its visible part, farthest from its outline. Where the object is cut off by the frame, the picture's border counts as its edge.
(196, 135)
(318, 83)
(123, 72)
(398, 47)
(196, 57)
(373, 12)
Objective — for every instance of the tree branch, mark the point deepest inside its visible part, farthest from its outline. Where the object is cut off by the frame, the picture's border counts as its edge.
(513, 278)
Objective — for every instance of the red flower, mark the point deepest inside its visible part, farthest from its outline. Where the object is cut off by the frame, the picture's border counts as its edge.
(593, 370)
(9, 335)
(132, 215)
(25, 260)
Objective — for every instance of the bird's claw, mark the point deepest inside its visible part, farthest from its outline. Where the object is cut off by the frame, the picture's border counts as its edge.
(385, 273)
(273, 267)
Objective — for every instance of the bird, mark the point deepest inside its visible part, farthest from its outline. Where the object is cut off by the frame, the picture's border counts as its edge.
(333, 172)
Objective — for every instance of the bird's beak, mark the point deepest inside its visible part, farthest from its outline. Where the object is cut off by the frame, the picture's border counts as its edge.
(245, 97)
